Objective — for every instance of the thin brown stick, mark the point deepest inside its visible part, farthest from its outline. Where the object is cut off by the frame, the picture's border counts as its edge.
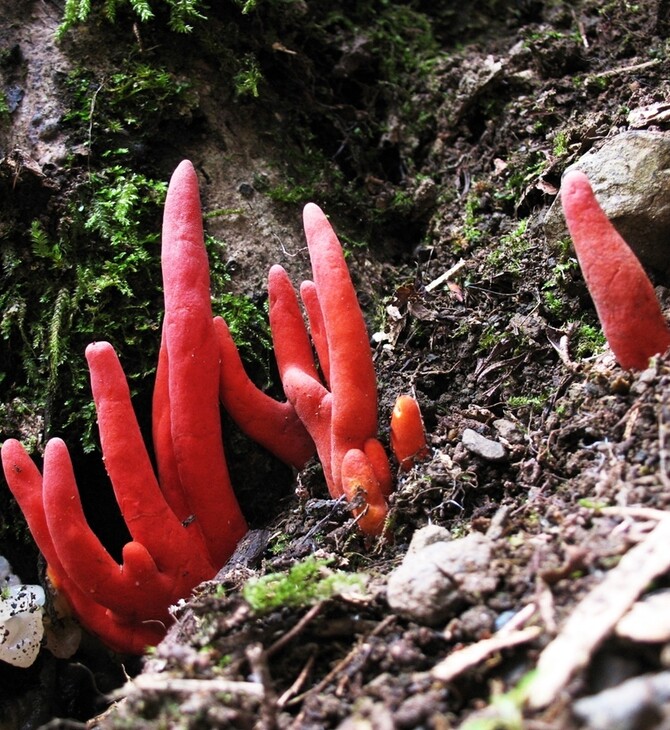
(258, 662)
(444, 277)
(348, 659)
(178, 685)
(298, 682)
(297, 629)
(634, 68)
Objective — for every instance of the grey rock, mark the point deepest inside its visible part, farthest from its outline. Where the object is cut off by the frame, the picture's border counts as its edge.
(631, 705)
(428, 535)
(508, 430)
(434, 582)
(648, 619)
(479, 445)
(630, 175)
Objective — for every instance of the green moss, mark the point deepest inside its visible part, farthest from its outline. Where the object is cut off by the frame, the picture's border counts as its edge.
(223, 213)
(280, 543)
(588, 340)
(292, 193)
(248, 78)
(116, 211)
(533, 402)
(592, 504)
(471, 219)
(523, 169)
(181, 13)
(306, 583)
(554, 304)
(490, 337)
(4, 108)
(505, 709)
(250, 329)
(106, 111)
(557, 302)
(510, 251)
(560, 147)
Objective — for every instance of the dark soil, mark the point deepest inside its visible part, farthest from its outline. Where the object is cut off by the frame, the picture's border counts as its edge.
(510, 98)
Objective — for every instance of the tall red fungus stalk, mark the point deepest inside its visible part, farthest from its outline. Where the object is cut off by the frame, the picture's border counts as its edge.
(186, 522)
(187, 386)
(624, 297)
(342, 416)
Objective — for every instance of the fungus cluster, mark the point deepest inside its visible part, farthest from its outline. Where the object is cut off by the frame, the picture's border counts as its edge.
(183, 517)
(339, 413)
(184, 522)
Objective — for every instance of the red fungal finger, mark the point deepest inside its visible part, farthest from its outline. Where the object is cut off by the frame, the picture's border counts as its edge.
(82, 555)
(352, 376)
(161, 431)
(193, 370)
(25, 482)
(379, 461)
(127, 462)
(128, 637)
(272, 424)
(314, 406)
(408, 439)
(311, 400)
(317, 327)
(289, 335)
(624, 297)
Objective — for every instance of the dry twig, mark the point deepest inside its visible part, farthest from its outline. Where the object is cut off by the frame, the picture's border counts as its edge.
(597, 614)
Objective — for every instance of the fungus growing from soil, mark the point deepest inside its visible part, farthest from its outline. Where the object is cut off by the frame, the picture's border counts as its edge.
(186, 418)
(408, 439)
(341, 416)
(185, 524)
(624, 297)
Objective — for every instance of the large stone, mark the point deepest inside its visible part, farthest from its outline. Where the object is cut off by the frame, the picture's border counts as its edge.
(630, 175)
(438, 577)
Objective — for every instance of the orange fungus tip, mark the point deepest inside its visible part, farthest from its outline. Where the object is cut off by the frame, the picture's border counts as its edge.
(408, 439)
(359, 480)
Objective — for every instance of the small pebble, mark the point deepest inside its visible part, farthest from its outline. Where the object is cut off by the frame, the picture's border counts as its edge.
(245, 190)
(648, 620)
(508, 430)
(485, 448)
(629, 706)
